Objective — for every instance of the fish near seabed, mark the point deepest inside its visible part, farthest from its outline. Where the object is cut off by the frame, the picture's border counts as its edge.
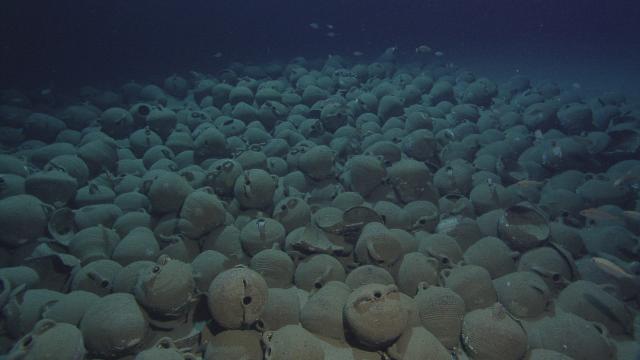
(389, 55)
(611, 268)
(423, 49)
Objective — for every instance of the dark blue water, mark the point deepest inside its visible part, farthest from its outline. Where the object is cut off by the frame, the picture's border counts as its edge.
(70, 43)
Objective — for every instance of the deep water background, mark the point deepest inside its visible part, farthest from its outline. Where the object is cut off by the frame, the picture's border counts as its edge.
(67, 43)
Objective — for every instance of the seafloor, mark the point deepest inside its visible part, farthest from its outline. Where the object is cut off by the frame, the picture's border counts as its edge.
(320, 209)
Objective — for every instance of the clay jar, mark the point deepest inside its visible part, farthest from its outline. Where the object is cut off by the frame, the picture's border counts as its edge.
(72, 165)
(165, 349)
(523, 293)
(441, 247)
(418, 343)
(96, 277)
(206, 266)
(413, 269)
(132, 219)
(282, 309)
(261, 234)
(99, 214)
(50, 340)
(473, 284)
(292, 213)
(20, 275)
(488, 196)
(365, 174)
(126, 278)
(210, 143)
(491, 333)
(53, 187)
(571, 335)
(544, 354)
(142, 140)
(375, 315)
(167, 192)
(591, 302)
(492, 254)
(93, 243)
(523, 228)
(203, 210)
(138, 244)
(23, 218)
(322, 314)
(162, 121)
(23, 309)
(317, 162)
(275, 266)
(237, 297)
(70, 308)
(93, 194)
(311, 239)
(377, 245)
(441, 311)
(114, 326)
(393, 215)
(455, 177)
(368, 274)
(116, 122)
(222, 175)
(235, 345)
(291, 342)
(167, 289)
(317, 270)
(98, 154)
(411, 180)
(420, 145)
(554, 264)
(254, 189)
(424, 215)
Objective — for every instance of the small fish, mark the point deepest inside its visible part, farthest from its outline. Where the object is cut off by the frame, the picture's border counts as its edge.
(389, 55)
(217, 55)
(576, 86)
(625, 179)
(46, 92)
(331, 34)
(314, 26)
(610, 267)
(438, 53)
(329, 26)
(598, 214)
(357, 53)
(423, 49)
